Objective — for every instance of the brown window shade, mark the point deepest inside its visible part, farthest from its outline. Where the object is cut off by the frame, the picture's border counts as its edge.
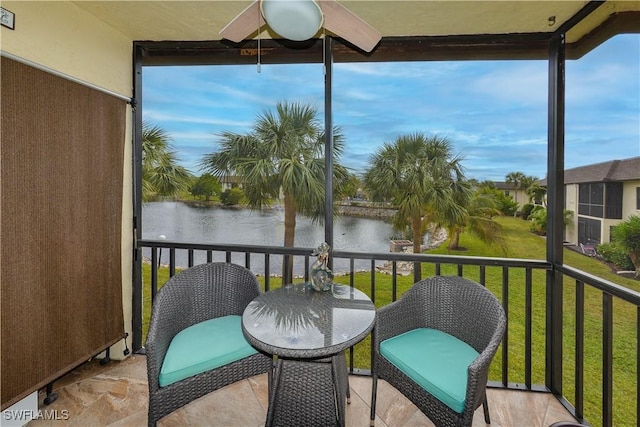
(60, 236)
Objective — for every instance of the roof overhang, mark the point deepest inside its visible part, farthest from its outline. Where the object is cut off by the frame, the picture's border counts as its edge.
(411, 30)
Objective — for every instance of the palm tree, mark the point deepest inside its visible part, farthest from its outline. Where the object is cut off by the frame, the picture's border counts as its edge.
(283, 153)
(419, 175)
(479, 209)
(537, 192)
(161, 175)
(516, 179)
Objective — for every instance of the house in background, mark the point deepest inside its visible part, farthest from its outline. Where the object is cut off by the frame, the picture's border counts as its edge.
(231, 181)
(600, 196)
(519, 196)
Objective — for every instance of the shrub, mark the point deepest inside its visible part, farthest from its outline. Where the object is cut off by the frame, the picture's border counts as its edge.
(627, 236)
(505, 204)
(538, 217)
(526, 210)
(615, 255)
(232, 197)
(508, 206)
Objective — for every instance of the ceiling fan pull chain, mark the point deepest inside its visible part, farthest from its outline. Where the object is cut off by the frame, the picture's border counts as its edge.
(259, 67)
(324, 59)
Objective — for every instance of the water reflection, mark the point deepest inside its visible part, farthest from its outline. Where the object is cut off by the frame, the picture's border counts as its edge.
(299, 311)
(180, 222)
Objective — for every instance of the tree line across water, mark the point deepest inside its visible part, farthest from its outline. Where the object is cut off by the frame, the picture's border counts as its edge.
(282, 158)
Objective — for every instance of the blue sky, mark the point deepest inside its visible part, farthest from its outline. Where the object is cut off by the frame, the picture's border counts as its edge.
(494, 112)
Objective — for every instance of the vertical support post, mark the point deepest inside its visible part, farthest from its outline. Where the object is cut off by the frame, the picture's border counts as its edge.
(555, 206)
(172, 262)
(607, 360)
(637, 361)
(155, 264)
(579, 358)
(51, 396)
(528, 341)
(417, 272)
(505, 338)
(136, 343)
(107, 357)
(328, 144)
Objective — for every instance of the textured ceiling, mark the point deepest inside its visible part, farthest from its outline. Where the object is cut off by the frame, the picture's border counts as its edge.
(202, 20)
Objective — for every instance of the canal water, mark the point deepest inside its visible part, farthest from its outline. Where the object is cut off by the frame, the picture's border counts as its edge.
(180, 222)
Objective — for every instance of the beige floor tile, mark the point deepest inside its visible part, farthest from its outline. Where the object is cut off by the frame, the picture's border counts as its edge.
(116, 395)
(556, 412)
(234, 406)
(260, 386)
(357, 412)
(137, 419)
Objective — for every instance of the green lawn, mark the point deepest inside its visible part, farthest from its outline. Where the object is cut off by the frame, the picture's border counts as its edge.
(523, 244)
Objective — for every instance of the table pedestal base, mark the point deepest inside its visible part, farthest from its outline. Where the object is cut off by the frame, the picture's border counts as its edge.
(309, 392)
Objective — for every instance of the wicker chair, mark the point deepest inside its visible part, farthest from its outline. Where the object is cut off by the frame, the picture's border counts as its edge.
(196, 295)
(467, 313)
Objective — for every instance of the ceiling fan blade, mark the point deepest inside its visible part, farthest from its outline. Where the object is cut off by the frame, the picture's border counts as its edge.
(247, 21)
(344, 23)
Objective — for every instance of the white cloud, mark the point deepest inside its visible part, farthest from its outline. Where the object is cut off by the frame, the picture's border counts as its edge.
(405, 70)
(198, 136)
(516, 84)
(162, 117)
(360, 95)
(495, 113)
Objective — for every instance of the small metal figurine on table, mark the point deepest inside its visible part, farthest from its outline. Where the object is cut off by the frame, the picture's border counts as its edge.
(321, 276)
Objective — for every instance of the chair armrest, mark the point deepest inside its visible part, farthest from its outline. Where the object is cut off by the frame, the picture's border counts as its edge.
(480, 364)
(478, 371)
(477, 377)
(175, 309)
(394, 319)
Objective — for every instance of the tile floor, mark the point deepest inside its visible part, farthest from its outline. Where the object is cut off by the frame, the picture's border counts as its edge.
(115, 395)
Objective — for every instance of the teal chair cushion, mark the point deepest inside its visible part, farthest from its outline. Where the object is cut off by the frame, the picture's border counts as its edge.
(435, 360)
(204, 346)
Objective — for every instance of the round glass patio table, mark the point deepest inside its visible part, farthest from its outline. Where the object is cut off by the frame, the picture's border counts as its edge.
(308, 330)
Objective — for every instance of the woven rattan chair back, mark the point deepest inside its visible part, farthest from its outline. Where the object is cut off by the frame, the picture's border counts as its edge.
(459, 307)
(200, 293)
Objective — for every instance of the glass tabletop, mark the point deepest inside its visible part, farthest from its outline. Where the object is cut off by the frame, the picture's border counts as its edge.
(298, 321)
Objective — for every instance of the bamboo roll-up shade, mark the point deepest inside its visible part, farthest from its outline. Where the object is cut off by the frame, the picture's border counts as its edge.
(61, 157)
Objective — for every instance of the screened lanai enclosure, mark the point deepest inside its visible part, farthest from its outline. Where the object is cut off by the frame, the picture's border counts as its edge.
(78, 276)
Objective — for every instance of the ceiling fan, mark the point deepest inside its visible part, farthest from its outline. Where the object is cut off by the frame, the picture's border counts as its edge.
(302, 19)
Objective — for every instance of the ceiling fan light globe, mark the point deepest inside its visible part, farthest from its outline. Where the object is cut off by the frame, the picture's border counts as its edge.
(296, 20)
